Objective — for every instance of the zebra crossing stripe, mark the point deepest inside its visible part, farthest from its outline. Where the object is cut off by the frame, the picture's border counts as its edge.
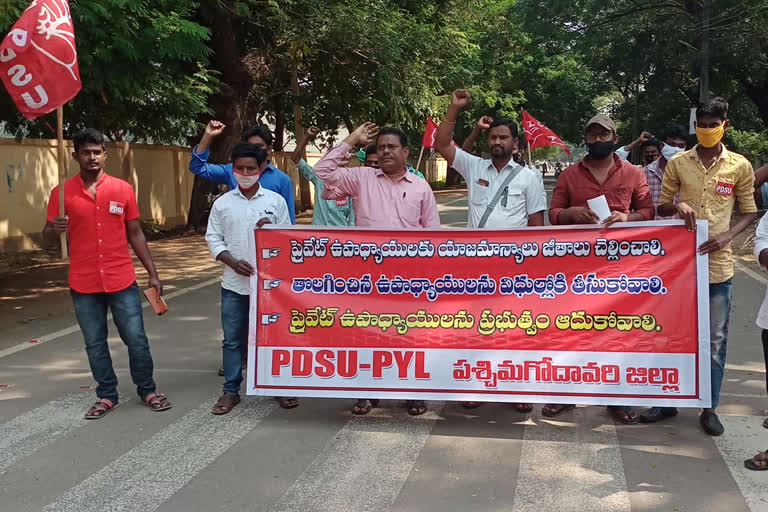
(39, 427)
(144, 477)
(572, 462)
(364, 467)
(744, 437)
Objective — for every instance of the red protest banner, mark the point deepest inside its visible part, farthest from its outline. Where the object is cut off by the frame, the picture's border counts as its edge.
(538, 135)
(577, 315)
(38, 59)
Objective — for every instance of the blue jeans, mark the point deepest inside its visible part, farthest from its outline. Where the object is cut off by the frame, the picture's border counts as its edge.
(719, 311)
(234, 323)
(91, 313)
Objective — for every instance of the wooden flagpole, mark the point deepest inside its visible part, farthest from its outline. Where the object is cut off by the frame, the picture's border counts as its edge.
(421, 154)
(530, 158)
(62, 174)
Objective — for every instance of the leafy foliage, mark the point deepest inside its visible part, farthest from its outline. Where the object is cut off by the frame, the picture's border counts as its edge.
(143, 65)
(647, 53)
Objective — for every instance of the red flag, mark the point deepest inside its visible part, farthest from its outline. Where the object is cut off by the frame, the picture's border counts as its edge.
(38, 58)
(429, 134)
(538, 135)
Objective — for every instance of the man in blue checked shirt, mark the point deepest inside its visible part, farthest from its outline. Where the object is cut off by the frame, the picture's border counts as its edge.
(271, 179)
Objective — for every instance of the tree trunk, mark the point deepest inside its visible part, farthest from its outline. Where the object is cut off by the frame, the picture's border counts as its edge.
(452, 178)
(298, 132)
(229, 105)
(279, 144)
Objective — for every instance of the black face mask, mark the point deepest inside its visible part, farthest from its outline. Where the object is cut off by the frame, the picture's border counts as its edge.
(600, 150)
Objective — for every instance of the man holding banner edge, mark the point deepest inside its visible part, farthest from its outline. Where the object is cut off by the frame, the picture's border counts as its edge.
(709, 179)
(624, 189)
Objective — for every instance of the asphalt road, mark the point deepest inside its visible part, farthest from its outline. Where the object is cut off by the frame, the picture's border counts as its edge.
(319, 457)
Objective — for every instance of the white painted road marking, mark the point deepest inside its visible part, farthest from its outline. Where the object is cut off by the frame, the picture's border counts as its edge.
(574, 466)
(143, 478)
(449, 203)
(39, 427)
(75, 328)
(744, 437)
(364, 467)
(751, 273)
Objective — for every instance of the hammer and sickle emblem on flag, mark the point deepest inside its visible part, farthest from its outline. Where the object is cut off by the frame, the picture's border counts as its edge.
(55, 25)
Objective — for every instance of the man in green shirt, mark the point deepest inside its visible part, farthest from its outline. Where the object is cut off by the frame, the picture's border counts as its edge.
(327, 212)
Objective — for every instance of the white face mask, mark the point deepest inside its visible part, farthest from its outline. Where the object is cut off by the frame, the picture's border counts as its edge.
(246, 181)
(669, 151)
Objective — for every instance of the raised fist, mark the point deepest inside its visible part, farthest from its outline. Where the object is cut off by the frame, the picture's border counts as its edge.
(215, 128)
(484, 123)
(461, 98)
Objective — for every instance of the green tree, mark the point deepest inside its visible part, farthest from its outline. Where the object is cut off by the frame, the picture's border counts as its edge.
(143, 65)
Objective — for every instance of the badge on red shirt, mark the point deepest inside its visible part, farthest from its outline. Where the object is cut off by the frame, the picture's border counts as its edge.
(116, 208)
(341, 202)
(724, 189)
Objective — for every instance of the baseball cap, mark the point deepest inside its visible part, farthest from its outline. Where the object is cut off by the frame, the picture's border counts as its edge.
(604, 121)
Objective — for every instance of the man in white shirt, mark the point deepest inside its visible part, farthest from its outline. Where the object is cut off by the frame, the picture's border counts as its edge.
(230, 231)
(761, 254)
(523, 201)
(502, 194)
(760, 461)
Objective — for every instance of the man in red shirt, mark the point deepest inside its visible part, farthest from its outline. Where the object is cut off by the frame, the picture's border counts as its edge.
(625, 189)
(101, 217)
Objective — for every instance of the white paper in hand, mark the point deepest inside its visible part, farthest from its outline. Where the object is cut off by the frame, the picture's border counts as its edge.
(599, 205)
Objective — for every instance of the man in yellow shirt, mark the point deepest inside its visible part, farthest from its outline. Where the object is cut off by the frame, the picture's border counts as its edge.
(709, 180)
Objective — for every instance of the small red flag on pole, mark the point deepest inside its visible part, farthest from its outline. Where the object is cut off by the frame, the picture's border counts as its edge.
(538, 135)
(38, 66)
(428, 141)
(429, 134)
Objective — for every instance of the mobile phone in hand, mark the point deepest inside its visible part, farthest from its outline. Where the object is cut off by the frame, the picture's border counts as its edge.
(156, 301)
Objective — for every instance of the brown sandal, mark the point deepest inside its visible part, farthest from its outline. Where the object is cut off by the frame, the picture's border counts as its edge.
(226, 403)
(364, 406)
(157, 402)
(100, 409)
(471, 405)
(757, 463)
(523, 407)
(623, 414)
(288, 403)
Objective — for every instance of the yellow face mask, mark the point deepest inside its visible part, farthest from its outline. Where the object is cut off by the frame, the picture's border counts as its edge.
(710, 137)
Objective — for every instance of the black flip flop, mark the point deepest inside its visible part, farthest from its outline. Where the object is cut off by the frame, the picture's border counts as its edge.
(551, 414)
(415, 407)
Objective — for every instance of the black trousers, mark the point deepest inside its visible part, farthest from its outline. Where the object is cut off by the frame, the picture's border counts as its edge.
(765, 356)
